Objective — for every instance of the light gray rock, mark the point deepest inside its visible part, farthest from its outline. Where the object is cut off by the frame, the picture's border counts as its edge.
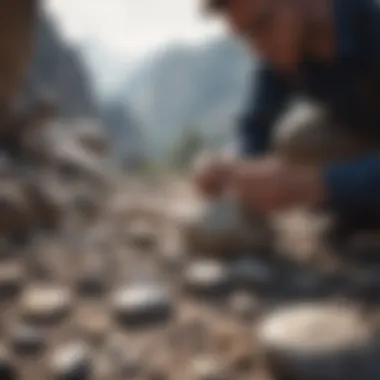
(142, 304)
(72, 362)
(207, 277)
(45, 304)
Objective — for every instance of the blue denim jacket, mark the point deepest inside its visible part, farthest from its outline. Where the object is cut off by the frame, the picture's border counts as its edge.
(350, 89)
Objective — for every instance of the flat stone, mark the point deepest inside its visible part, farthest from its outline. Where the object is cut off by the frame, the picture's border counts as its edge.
(27, 340)
(318, 341)
(45, 303)
(8, 369)
(12, 277)
(72, 362)
(207, 277)
(137, 305)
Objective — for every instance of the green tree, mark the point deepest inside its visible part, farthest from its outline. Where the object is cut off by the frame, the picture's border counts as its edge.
(189, 144)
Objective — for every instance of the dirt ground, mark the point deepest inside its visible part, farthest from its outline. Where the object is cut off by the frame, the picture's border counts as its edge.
(200, 331)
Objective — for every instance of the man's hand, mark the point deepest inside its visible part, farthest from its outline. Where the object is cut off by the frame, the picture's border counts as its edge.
(269, 184)
(211, 175)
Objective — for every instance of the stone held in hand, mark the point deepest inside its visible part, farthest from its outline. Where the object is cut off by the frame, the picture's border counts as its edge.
(222, 228)
(319, 341)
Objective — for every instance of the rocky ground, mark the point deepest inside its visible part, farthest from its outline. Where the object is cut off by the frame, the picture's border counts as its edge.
(99, 279)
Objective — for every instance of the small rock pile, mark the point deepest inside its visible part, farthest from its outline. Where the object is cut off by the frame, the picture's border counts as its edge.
(47, 168)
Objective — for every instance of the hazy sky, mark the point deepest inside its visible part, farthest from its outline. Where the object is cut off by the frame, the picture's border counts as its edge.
(132, 27)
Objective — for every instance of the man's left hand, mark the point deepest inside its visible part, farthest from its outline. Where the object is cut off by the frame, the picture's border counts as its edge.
(270, 184)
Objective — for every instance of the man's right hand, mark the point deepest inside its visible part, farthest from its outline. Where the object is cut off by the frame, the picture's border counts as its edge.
(211, 175)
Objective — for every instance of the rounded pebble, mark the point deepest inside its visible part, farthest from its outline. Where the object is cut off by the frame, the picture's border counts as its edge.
(46, 304)
(207, 277)
(142, 304)
(72, 362)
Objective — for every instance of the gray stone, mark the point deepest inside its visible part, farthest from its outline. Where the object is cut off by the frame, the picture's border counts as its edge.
(72, 362)
(318, 341)
(45, 303)
(140, 305)
(27, 340)
(207, 277)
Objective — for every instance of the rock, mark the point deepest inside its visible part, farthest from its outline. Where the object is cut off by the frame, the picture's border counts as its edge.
(140, 305)
(94, 278)
(12, 277)
(45, 303)
(27, 340)
(8, 369)
(244, 306)
(318, 341)
(72, 362)
(128, 361)
(49, 199)
(207, 368)
(93, 322)
(207, 277)
(91, 135)
(253, 273)
(223, 229)
(141, 235)
(75, 163)
(16, 218)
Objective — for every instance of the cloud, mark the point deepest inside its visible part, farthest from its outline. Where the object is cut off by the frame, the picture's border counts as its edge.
(131, 27)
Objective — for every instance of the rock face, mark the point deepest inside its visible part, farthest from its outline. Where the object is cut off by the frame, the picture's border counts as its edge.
(57, 70)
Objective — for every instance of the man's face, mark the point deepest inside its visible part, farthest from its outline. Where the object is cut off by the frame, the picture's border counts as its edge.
(271, 27)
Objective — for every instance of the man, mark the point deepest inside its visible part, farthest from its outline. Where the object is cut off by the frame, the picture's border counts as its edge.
(328, 50)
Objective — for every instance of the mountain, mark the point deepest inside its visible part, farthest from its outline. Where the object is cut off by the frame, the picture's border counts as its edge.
(124, 132)
(57, 70)
(189, 85)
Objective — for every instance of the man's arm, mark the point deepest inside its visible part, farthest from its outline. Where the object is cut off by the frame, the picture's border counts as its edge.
(268, 97)
(354, 186)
